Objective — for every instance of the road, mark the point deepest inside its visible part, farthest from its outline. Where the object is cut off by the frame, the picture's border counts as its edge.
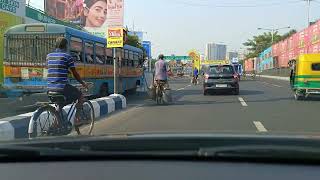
(263, 106)
(20, 105)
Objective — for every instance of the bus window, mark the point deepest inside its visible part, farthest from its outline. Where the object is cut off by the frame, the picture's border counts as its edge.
(76, 56)
(29, 49)
(100, 53)
(89, 59)
(126, 54)
(109, 56)
(123, 63)
(76, 49)
(100, 59)
(130, 55)
(89, 53)
(110, 60)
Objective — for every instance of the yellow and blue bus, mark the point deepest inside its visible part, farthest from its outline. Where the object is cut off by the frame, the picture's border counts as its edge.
(26, 47)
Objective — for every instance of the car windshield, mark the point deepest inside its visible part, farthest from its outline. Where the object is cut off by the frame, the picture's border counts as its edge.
(103, 68)
(221, 70)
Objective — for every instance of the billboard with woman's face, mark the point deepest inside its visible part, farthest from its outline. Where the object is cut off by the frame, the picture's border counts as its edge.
(89, 14)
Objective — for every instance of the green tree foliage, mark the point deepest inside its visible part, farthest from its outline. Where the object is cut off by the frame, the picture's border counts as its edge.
(259, 43)
(134, 41)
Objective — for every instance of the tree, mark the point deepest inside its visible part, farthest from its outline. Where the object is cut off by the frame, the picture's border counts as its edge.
(258, 44)
(288, 34)
(134, 41)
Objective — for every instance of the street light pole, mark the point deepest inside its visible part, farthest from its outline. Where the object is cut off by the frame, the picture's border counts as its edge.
(309, 12)
(273, 30)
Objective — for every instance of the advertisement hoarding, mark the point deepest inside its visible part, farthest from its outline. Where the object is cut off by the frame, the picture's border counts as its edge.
(283, 46)
(115, 13)
(115, 37)
(147, 46)
(115, 23)
(14, 7)
(314, 48)
(70, 11)
(89, 14)
(315, 33)
(275, 50)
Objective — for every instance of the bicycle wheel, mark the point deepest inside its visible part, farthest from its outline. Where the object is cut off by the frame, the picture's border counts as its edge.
(87, 119)
(46, 122)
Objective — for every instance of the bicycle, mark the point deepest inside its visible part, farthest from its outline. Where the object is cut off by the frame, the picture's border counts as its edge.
(50, 120)
(159, 91)
(194, 81)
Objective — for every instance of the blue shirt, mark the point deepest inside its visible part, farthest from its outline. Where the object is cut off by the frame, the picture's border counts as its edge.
(59, 63)
(196, 72)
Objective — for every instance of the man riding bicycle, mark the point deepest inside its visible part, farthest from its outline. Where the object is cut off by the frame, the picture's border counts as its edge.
(59, 63)
(161, 71)
(195, 75)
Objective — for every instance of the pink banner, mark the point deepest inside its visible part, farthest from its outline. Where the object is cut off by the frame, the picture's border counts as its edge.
(248, 64)
(115, 13)
(275, 50)
(284, 46)
(315, 48)
(315, 38)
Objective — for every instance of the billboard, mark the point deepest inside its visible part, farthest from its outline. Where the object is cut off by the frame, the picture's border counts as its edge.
(15, 7)
(147, 46)
(115, 37)
(93, 15)
(70, 11)
(115, 13)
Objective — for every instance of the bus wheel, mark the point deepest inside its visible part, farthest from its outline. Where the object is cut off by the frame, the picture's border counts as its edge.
(104, 90)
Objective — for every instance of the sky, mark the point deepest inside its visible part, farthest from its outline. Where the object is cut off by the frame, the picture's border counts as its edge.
(177, 26)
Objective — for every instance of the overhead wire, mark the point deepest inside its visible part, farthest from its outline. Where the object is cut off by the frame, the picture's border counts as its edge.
(233, 5)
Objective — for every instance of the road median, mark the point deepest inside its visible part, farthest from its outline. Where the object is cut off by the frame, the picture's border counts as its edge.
(16, 127)
(275, 77)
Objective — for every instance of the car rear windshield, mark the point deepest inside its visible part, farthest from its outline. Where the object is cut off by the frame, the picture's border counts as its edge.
(221, 70)
(316, 67)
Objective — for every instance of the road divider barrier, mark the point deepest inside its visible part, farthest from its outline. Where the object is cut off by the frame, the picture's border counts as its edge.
(270, 77)
(275, 77)
(16, 127)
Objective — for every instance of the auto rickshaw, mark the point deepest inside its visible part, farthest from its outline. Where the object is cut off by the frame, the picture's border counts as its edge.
(305, 76)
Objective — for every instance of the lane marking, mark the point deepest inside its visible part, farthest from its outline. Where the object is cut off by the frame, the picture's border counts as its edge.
(189, 85)
(265, 83)
(260, 126)
(243, 103)
(275, 85)
(180, 89)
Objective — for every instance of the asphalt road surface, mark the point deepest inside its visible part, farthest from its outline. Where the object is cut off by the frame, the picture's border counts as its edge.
(263, 106)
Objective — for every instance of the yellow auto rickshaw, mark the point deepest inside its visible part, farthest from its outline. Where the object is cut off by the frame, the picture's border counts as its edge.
(305, 76)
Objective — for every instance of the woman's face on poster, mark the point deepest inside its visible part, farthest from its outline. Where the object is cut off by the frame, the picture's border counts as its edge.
(96, 15)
